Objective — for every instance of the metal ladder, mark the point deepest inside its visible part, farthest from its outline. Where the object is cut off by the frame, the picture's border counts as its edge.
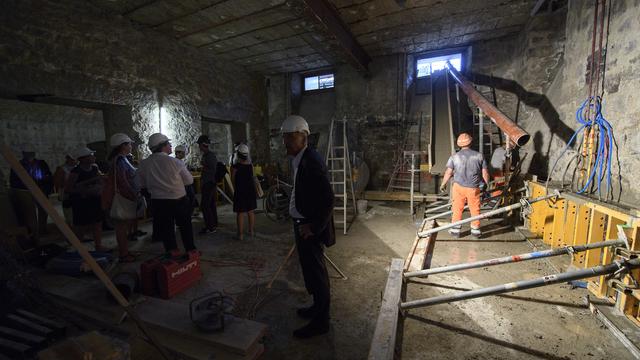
(402, 175)
(339, 167)
(487, 130)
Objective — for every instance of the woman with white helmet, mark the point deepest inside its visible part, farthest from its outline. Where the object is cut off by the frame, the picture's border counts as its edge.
(244, 196)
(123, 196)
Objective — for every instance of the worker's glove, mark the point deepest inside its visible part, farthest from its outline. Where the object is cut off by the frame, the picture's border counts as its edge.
(443, 187)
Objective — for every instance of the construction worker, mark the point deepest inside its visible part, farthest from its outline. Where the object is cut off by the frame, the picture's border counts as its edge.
(208, 186)
(311, 208)
(165, 178)
(470, 175)
(498, 164)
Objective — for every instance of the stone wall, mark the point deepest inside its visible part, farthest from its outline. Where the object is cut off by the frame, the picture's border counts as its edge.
(75, 51)
(51, 131)
(552, 121)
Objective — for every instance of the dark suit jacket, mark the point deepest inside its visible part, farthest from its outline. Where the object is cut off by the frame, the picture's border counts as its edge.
(314, 196)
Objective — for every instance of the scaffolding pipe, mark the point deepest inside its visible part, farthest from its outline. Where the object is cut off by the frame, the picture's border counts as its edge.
(487, 214)
(526, 284)
(515, 258)
(466, 207)
(515, 132)
(439, 207)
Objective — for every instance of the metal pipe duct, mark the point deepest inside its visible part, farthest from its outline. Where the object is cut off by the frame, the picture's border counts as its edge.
(515, 132)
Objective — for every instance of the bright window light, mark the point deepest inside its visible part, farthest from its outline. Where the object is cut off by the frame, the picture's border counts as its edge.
(318, 82)
(427, 66)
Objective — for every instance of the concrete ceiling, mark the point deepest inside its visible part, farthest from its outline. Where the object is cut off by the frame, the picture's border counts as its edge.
(273, 36)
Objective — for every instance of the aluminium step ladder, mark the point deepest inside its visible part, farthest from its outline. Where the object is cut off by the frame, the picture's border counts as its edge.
(340, 175)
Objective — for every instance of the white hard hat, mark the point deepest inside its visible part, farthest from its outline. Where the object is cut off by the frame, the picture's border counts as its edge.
(119, 139)
(81, 151)
(157, 139)
(181, 148)
(295, 123)
(242, 149)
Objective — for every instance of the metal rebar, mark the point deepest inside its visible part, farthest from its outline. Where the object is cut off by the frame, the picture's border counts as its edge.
(485, 215)
(524, 284)
(515, 258)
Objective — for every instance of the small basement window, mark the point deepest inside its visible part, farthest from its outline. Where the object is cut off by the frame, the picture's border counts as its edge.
(427, 66)
(318, 82)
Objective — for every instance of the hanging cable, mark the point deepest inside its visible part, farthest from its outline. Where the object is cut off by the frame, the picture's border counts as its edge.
(594, 154)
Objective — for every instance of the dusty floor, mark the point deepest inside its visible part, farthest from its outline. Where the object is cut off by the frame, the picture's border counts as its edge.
(549, 322)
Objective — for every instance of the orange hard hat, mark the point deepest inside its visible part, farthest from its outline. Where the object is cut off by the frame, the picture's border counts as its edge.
(464, 139)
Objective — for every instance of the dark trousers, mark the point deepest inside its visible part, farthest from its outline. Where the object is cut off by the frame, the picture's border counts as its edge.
(314, 271)
(167, 213)
(208, 205)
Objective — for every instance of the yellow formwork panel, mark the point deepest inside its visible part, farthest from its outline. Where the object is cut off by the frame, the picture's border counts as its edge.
(595, 234)
(628, 303)
(557, 233)
(536, 219)
(580, 234)
(601, 289)
(547, 230)
(569, 223)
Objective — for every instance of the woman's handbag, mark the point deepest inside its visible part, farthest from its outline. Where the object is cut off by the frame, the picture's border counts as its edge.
(121, 207)
(256, 182)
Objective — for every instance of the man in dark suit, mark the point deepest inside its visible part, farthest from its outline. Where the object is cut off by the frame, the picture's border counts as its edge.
(311, 208)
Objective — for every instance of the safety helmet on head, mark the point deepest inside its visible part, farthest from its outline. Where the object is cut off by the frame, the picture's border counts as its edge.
(295, 123)
(464, 139)
(81, 151)
(242, 149)
(157, 139)
(181, 148)
(118, 139)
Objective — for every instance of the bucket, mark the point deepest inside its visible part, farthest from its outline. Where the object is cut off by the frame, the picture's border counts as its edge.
(361, 205)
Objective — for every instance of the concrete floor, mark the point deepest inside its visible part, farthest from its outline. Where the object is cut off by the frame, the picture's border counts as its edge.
(549, 322)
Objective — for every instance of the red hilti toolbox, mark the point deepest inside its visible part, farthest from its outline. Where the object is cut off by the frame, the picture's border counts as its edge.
(167, 276)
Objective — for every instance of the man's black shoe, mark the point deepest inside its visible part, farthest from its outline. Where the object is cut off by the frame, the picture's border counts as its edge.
(206, 231)
(306, 312)
(314, 328)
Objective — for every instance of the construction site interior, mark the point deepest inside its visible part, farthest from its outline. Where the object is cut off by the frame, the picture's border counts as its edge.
(396, 94)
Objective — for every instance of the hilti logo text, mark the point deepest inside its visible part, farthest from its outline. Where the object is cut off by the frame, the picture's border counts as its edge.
(184, 269)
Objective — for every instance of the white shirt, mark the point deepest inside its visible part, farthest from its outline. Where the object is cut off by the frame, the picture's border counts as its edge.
(164, 176)
(292, 201)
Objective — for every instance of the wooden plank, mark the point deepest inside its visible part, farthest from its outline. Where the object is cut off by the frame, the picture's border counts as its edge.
(15, 349)
(412, 251)
(91, 345)
(240, 336)
(23, 337)
(384, 337)
(618, 328)
(423, 252)
(27, 325)
(52, 324)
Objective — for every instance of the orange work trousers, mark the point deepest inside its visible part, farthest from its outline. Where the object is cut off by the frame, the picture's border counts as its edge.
(460, 196)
